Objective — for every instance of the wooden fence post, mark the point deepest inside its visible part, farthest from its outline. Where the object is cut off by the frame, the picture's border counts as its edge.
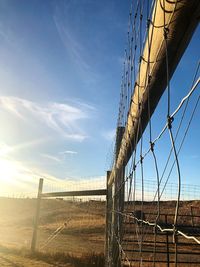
(36, 220)
(108, 222)
(118, 204)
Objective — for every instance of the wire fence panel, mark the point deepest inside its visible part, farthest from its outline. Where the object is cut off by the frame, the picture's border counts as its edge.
(72, 217)
(67, 228)
(152, 215)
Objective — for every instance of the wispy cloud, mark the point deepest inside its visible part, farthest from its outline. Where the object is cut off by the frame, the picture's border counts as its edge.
(50, 157)
(62, 118)
(6, 33)
(70, 43)
(77, 52)
(71, 152)
(59, 157)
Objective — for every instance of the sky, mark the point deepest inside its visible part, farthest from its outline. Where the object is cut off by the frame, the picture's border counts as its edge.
(60, 73)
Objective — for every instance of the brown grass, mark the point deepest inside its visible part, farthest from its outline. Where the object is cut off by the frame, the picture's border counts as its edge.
(56, 259)
(81, 243)
(83, 234)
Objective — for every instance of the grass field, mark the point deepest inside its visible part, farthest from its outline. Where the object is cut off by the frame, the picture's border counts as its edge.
(81, 240)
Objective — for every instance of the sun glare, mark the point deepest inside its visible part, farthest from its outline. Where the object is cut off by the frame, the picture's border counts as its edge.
(8, 171)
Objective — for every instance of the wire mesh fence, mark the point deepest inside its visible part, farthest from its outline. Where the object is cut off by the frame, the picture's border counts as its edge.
(72, 218)
(66, 225)
(155, 222)
(74, 227)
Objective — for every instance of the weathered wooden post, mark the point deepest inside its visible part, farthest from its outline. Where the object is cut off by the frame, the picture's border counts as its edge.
(36, 220)
(108, 221)
(118, 204)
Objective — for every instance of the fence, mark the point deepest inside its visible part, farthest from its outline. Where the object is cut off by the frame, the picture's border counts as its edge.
(149, 223)
(70, 221)
(142, 229)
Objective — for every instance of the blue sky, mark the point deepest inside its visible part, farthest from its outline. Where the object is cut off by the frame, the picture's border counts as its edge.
(60, 73)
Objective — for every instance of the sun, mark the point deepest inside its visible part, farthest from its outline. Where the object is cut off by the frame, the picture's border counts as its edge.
(8, 171)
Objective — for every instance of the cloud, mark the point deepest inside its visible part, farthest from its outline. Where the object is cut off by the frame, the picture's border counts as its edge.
(71, 45)
(77, 52)
(53, 158)
(60, 117)
(71, 152)
(58, 158)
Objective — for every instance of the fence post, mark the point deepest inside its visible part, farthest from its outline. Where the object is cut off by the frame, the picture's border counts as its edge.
(118, 204)
(108, 222)
(36, 220)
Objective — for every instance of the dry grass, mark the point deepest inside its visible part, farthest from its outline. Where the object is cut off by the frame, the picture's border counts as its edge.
(83, 234)
(26, 258)
(81, 243)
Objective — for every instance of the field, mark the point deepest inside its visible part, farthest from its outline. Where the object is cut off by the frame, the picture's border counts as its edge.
(81, 239)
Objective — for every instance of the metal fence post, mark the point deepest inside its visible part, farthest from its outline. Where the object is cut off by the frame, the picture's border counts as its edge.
(36, 221)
